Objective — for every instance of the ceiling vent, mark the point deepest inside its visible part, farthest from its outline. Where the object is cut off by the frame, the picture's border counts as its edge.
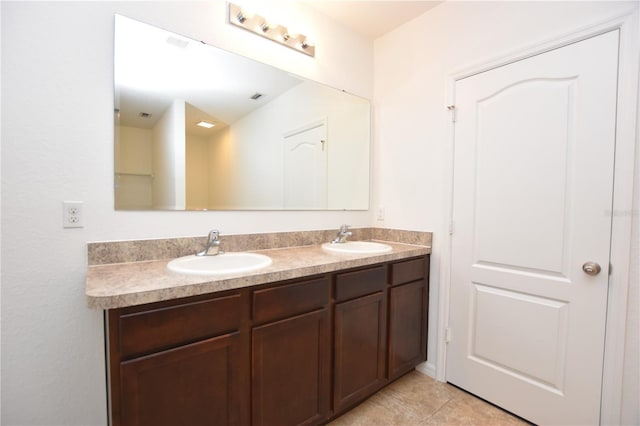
(145, 115)
(256, 96)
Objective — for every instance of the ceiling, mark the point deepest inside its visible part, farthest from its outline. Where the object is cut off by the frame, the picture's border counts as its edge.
(372, 18)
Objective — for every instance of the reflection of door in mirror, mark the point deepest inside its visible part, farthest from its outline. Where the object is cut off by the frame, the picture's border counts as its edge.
(305, 167)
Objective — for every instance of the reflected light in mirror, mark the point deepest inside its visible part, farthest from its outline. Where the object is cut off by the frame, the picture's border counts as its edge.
(205, 124)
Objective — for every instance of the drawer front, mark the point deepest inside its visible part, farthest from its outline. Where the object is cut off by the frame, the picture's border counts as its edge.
(292, 299)
(163, 328)
(358, 283)
(407, 271)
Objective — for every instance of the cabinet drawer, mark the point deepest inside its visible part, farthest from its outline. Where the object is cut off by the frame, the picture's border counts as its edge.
(407, 271)
(166, 327)
(280, 302)
(358, 283)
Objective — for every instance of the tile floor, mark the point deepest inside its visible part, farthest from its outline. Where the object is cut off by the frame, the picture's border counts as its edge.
(417, 400)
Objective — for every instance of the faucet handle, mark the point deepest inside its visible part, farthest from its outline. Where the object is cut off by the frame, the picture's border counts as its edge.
(213, 244)
(213, 235)
(343, 234)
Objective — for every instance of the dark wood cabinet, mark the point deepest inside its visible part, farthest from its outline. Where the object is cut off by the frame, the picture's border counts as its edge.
(190, 385)
(290, 353)
(360, 330)
(360, 349)
(299, 352)
(408, 315)
(291, 371)
(184, 362)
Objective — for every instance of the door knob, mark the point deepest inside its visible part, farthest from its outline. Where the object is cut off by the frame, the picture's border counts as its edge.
(591, 268)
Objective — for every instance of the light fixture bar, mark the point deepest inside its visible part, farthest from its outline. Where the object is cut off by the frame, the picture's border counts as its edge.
(262, 27)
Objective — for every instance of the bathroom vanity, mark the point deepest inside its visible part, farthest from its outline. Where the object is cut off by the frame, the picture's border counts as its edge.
(299, 350)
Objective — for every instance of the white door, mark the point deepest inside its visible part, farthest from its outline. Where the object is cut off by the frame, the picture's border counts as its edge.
(533, 180)
(305, 168)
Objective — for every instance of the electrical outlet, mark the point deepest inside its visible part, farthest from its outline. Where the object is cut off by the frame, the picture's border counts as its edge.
(72, 214)
(380, 214)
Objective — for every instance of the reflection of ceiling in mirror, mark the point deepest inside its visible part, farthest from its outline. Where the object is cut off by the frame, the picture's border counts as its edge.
(153, 67)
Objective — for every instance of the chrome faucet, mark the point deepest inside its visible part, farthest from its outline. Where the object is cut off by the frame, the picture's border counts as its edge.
(213, 245)
(342, 236)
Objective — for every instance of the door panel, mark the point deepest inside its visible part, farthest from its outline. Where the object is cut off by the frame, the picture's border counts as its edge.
(533, 178)
(537, 355)
(534, 158)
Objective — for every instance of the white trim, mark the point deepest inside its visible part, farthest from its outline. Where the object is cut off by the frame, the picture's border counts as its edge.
(607, 24)
(626, 144)
(626, 125)
(309, 126)
(427, 368)
(445, 254)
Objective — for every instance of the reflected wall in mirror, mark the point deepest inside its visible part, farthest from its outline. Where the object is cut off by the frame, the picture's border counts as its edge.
(278, 141)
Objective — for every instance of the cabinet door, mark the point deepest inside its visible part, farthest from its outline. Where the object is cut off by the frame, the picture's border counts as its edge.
(197, 384)
(360, 336)
(291, 371)
(407, 327)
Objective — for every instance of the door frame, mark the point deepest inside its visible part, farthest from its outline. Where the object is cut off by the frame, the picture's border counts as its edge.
(622, 215)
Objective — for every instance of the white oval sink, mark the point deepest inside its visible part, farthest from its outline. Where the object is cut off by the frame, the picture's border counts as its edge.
(225, 263)
(357, 247)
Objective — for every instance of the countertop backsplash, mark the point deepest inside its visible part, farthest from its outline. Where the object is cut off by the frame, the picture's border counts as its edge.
(109, 252)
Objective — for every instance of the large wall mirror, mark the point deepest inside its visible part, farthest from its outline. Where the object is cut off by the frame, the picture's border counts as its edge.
(271, 141)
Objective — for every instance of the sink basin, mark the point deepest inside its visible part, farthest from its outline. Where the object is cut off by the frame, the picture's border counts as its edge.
(357, 247)
(221, 264)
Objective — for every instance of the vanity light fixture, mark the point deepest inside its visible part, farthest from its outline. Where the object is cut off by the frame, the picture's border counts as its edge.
(205, 124)
(278, 33)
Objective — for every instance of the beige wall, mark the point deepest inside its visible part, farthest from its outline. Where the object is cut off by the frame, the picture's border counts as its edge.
(133, 177)
(197, 172)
